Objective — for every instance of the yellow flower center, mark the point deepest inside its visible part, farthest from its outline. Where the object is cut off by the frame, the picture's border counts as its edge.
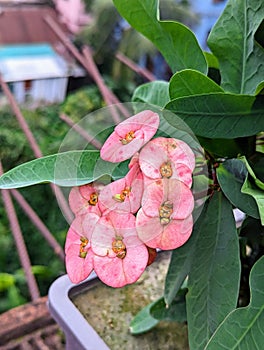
(119, 248)
(83, 244)
(120, 197)
(166, 170)
(165, 211)
(128, 138)
(93, 198)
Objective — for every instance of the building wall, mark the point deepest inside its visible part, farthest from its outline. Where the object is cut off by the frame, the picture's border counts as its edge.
(72, 13)
(43, 90)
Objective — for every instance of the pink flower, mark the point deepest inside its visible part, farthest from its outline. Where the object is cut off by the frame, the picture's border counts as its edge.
(123, 195)
(129, 136)
(120, 257)
(79, 255)
(134, 161)
(165, 219)
(167, 158)
(84, 199)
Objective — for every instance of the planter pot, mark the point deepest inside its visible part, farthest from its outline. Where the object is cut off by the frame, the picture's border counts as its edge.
(78, 332)
(95, 316)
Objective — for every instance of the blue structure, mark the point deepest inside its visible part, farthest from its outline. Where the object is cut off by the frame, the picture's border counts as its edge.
(34, 72)
(208, 11)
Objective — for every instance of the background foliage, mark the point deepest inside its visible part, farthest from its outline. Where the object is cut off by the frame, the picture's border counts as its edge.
(215, 280)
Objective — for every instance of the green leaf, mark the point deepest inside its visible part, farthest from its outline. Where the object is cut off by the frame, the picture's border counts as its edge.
(215, 272)
(243, 328)
(219, 115)
(175, 41)
(221, 147)
(258, 166)
(182, 257)
(175, 312)
(15, 298)
(190, 82)
(143, 321)
(257, 181)
(253, 233)
(258, 195)
(232, 41)
(178, 130)
(180, 264)
(6, 281)
(211, 60)
(155, 93)
(260, 88)
(73, 168)
(231, 176)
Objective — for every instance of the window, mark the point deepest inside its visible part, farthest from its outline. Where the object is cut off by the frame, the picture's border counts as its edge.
(27, 85)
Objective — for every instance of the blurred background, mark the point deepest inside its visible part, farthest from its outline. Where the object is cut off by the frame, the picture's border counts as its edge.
(54, 56)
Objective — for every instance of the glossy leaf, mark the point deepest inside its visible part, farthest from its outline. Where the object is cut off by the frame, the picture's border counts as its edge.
(175, 41)
(180, 263)
(260, 88)
(258, 166)
(71, 168)
(231, 175)
(175, 312)
(178, 130)
(257, 181)
(243, 328)
(211, 60)
(155, 93)
(190, 82)
(143, 321)
(219, 115)
(241, 58)
(214, 277)
(221, 147)
(253, 232)
(258, 195)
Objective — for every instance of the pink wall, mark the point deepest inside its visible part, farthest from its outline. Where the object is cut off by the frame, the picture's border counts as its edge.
(72, 13)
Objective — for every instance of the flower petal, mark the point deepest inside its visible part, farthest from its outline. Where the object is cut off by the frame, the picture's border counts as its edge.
(171, 190)
(175, 234)
(114, 151)
(167, 237)
(78, 268)
(79, 198)
(129, 136)
(103, 236)
(148, 228)
(82, 226)
(123, 195)
(147, 121)
(174, 154)
(178, 151)
(112, 269)
(117, 272)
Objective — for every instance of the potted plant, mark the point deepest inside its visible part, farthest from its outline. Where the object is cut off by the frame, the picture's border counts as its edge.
(170, 175)
(93, 315)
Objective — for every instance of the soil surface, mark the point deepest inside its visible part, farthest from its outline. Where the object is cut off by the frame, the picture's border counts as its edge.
(110, 312)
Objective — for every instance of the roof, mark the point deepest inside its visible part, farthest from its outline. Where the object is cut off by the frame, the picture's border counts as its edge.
(16, 2)
(31, 61)
(25, 34)
(26, 24)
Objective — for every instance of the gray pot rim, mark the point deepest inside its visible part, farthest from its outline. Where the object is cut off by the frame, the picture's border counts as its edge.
(80, 335)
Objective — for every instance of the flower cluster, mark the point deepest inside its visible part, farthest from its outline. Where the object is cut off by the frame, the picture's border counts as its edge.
(118, 227)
